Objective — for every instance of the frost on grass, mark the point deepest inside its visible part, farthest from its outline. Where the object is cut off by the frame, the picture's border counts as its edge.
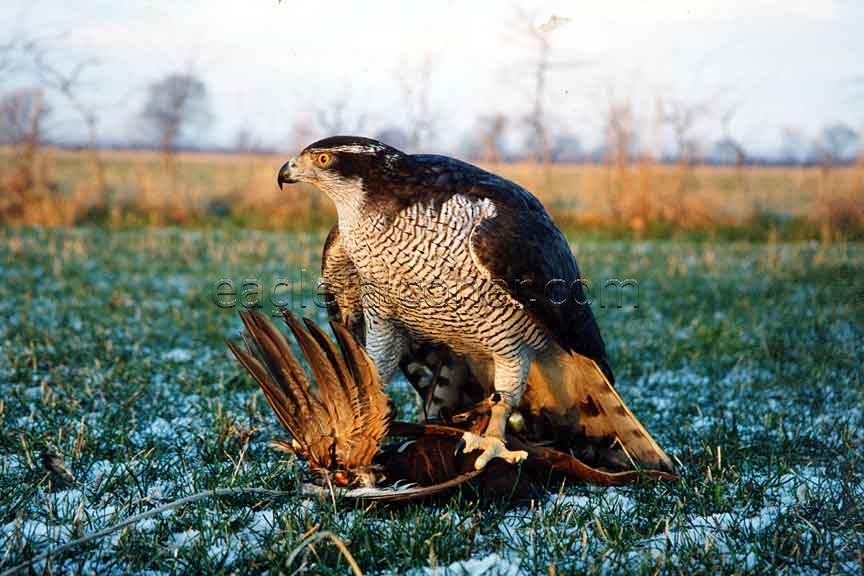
(491, 565)
(177, 355)
(744, 361)
(584, 523)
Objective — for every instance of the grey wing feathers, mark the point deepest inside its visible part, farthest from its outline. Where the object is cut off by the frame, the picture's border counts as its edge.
(522, 246)
(519, 243)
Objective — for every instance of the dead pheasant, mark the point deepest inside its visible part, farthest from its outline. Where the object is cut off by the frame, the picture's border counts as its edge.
(339, 426)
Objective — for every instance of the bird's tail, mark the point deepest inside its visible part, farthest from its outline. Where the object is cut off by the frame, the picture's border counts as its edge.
(571, 393)
(343, 420)
(282, 379)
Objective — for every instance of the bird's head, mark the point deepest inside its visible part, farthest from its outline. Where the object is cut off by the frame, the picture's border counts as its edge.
(343, 167)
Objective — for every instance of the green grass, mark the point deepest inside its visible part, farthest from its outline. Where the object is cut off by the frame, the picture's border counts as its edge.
(745, 362)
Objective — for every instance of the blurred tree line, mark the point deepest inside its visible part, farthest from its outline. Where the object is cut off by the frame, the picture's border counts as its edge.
(35, 89)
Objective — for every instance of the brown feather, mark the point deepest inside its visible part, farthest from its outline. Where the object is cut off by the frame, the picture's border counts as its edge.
(366, 427)
(330, 388)
(296, 408)
(274, 394)
(371, 401)
(334, 357)
(343, 425)
(278, 359)
(574, 393)
(283, 406)
(557, 461)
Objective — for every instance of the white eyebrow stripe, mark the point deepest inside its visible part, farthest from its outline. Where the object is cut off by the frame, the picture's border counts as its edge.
(355, 149)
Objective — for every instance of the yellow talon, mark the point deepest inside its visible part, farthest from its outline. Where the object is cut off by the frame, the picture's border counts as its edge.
(492, 448)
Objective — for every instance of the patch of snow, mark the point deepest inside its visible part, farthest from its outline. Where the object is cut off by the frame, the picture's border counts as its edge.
(608, 499)
(147, 524)
(178, 355)
(222, 550)
(742, 375)
(41, 533)
(24, 422)
(683, 334)
(12, 463)
(160, 428)
(159, 490)
(185, 538)
(65, 502)
(514, 523)
(762, 520)
(491, 565)
(613, 499)
(261, 521)
(177, 429)
(100, 469)
(567, 501)
(683, 377)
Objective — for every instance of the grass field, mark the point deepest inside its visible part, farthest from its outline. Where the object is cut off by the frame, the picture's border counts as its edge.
(744, 360)
(638, 200)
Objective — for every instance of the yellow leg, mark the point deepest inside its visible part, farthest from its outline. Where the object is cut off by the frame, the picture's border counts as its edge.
(492, 441)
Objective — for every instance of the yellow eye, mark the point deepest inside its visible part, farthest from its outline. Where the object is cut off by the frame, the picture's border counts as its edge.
(323, 159)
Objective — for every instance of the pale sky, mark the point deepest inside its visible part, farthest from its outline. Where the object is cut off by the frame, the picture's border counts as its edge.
(270, 65)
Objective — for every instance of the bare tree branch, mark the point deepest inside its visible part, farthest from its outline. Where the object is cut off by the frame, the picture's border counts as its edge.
(493, 129)
(729, 144)
(175, 104)
(541, 65)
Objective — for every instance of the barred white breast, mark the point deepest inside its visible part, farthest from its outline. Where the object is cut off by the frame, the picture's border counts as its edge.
(418, 269)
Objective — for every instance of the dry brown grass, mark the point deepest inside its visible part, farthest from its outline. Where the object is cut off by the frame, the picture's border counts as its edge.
(141, 188)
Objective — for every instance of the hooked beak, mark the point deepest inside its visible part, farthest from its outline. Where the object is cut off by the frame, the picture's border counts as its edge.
(286, 173)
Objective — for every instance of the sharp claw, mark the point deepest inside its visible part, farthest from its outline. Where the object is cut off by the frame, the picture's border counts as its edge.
(517, 456)
(482, 460)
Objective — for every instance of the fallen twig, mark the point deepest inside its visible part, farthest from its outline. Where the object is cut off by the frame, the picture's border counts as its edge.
(217, 492)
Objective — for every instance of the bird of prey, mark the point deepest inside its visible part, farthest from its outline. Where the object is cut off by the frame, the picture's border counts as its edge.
(451, 256)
